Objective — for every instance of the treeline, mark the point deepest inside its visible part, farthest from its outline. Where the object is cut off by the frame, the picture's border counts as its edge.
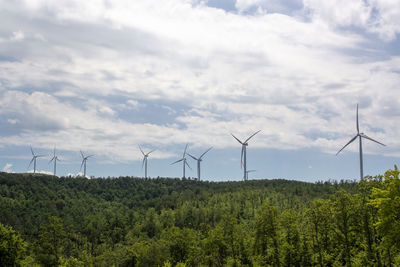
(49, 221)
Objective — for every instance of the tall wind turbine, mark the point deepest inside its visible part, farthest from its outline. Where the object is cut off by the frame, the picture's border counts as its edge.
(360, 135)
(55, 159)
(183, 159)
(84, 159)
(145, 156)
(34, 157)
(243, 159)
(198, 161)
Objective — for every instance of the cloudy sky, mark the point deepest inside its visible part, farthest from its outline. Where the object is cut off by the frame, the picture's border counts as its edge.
(106, 76)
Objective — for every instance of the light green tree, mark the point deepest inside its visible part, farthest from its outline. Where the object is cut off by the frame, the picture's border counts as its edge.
(387, 201)
(12, 247)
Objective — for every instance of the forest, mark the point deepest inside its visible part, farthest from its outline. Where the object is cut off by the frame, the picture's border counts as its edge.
(128, 221)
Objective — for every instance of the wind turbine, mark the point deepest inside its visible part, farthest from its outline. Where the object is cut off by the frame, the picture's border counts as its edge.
(55, 158)
(243, 159)
(84, 159)
(360, 135)
(184, 161)
(34, 157)
(247, 173)
(145, 156)
(198, 161)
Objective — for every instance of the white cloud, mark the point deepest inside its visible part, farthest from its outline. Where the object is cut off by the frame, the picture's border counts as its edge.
(294, 79)
(378, 16)
(17, 36)
(8, 168)
(41, 172)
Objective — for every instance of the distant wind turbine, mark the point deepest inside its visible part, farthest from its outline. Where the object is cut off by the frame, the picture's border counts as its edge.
(84, 159)
(243, 159)
(360, 135)
(183, 159)
(199, 159)
(247, 173)
(34, 157)
(55, 159)
(145, 156)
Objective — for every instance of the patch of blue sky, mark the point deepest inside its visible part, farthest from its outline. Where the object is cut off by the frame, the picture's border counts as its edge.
(372, 47)
(227, 5)
(5, 58)
(9, 126)
(158, 112)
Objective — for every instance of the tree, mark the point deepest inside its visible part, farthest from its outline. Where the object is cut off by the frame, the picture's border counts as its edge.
(320, 217)
(387, 201)
(50, 243)
(266, 240)
(12, 247)
(347, 219)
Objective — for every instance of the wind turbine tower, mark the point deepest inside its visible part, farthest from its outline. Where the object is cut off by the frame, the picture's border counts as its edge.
(55, 159)
(145, 156)
(243, 158)
(184, 160)
(360, 136)
(199, 159)
(84, 159)
(34, 157)
(247, 173)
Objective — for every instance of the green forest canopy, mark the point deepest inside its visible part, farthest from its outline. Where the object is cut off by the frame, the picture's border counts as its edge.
(125, 221)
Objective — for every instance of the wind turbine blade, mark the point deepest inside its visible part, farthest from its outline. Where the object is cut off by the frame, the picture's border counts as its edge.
(184, 152)
(252, 136)
(187, 164)
(151, 152)
(354, 138)
(52, 159)
(369, 138)
(141, 151)
(40, 156)
(82, 164)
(33, 154)
(237, 139)
(241, 156)
(143, 162)
(205, 152)
(89, 156)
(31, 162)
(358, 127)
(82, 154)
(193, 157)
(176, 161)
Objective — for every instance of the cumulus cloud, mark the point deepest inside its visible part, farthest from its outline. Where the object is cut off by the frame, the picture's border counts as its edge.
(294, 79)
(376, 16)
(8, 168)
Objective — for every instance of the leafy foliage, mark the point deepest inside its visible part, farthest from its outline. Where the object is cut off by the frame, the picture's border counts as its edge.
(170, 222)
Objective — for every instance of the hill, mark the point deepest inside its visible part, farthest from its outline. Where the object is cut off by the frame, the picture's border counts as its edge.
(130, 221)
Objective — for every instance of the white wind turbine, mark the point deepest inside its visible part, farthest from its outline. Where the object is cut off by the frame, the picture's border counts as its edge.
(199, 159)
(360, 135)
(183, 159)
(84, 159)
(55, 159)
(243, 158)
(34, 157)
(145, 156)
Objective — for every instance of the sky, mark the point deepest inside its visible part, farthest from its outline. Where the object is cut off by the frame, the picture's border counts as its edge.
(104, 77)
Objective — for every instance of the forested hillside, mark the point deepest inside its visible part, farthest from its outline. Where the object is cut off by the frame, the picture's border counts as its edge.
(49, 221)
